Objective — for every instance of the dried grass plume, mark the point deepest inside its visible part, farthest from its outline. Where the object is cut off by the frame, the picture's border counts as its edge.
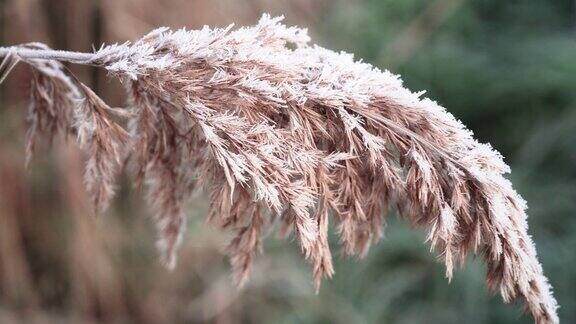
(278, 130)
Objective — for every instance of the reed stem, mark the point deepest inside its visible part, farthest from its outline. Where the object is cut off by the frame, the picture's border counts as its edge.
(63, 56)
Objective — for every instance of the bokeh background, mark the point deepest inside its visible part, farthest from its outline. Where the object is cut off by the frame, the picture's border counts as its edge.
(507, 69)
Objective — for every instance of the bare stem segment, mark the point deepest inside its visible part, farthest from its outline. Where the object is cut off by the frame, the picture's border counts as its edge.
(63, 56)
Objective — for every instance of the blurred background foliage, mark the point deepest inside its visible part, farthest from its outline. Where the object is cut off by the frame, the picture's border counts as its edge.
(507, 69)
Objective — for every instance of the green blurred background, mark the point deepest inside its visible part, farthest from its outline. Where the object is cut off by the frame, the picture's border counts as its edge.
(507, 69)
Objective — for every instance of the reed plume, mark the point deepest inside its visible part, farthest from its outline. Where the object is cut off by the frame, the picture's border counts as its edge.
(276, 129)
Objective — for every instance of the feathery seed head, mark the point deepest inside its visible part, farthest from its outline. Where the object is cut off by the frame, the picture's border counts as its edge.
(270, 125)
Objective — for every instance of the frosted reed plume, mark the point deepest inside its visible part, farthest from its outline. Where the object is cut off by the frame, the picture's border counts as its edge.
(276, 129)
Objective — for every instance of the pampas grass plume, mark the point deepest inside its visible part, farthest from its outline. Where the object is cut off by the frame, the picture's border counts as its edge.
(278, 130)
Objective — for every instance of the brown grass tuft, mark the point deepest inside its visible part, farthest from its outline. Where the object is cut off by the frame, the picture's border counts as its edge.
(275, 128)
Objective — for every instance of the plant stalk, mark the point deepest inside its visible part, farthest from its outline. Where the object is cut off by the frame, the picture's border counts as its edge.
(63, 56)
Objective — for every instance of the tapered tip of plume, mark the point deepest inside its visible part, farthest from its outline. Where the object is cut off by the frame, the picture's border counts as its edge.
(443, 234)
(171, 230)
(168, 255)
